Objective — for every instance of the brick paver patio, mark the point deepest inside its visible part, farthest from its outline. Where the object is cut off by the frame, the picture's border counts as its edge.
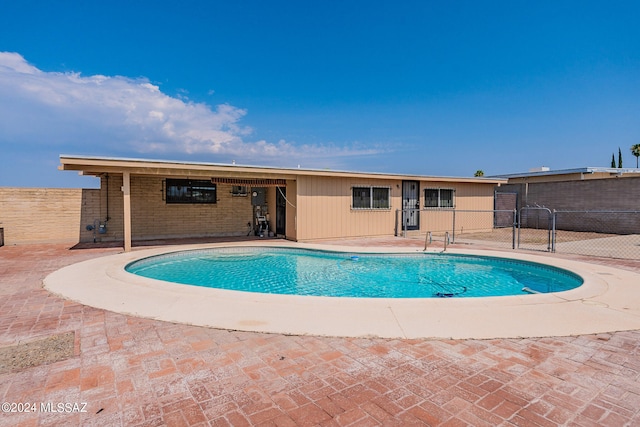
(140, 372)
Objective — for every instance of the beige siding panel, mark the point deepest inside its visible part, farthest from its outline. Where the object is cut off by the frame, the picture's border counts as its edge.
(436, 221)
(324, 209)
(468, 197)
(292, 209)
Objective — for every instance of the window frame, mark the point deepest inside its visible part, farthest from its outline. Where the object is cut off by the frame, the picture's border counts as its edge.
(440, 199)
(373, 204)
(239, 191)
(190, 192)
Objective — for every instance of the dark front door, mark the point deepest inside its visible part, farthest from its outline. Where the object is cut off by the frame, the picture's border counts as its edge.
(411, 205)
(281, 210)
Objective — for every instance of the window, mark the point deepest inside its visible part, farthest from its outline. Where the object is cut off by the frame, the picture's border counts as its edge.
(370, 198)
(239, 190)
(190, 191)
(438, 198)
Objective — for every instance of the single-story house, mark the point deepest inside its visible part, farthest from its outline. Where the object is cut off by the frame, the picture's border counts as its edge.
(149, 199)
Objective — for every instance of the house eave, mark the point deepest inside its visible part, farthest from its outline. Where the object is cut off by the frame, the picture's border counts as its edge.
(94, 165)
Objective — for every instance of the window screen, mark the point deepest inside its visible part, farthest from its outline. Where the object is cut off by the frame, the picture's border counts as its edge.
(361, 198)
(446, 198)
(439, 198)
(190, 191)
(370, 198)
(380, 198)
(430, 198)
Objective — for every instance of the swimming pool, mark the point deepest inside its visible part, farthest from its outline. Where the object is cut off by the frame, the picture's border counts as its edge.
(289, 271)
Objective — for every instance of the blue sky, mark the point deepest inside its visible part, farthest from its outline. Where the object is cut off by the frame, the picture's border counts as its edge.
(416, 87)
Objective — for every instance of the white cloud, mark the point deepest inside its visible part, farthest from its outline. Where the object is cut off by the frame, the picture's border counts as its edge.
(15, 61)
(105, 115)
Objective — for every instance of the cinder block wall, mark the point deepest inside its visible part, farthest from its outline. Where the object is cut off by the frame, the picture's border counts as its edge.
(612, 194)
(47, 215)
(601, 194)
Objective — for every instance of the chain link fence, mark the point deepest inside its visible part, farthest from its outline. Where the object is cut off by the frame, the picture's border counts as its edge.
(535, 228)
(470, 227)
(610, 234)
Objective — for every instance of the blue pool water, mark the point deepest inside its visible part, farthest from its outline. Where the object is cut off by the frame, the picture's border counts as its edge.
(338, 274)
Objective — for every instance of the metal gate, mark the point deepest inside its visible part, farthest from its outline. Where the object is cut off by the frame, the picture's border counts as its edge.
(504, 204)
(611, 234)
(535, 228)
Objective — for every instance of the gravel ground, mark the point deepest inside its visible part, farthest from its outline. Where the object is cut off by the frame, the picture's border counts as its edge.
(38, 352)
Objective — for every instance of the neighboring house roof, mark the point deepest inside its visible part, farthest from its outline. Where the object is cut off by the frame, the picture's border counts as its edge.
(95, 165)
(586, 170)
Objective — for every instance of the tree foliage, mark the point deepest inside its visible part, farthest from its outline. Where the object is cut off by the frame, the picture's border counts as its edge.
(619, 158)
(635, 150)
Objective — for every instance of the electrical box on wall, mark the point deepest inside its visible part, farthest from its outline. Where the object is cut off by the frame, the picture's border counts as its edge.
(258, 196)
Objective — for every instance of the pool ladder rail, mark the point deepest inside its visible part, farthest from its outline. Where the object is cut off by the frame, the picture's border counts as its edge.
(428, 239)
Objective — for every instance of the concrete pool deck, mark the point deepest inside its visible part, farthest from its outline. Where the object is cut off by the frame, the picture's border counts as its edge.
(138, 372)
(608, 301)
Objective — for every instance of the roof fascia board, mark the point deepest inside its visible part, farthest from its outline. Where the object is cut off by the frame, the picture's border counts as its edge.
(587, 170)
(99, 165)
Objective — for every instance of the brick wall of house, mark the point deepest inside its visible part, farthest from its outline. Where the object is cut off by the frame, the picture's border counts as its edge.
(47, 215)
(152, 217)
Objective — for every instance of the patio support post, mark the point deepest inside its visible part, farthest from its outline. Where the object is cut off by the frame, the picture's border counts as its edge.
(513, 232)
(553, 231)
(453, 231)
(126, 190)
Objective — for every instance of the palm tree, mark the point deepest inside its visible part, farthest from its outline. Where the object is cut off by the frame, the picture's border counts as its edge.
(635, 150)
(480, 172)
